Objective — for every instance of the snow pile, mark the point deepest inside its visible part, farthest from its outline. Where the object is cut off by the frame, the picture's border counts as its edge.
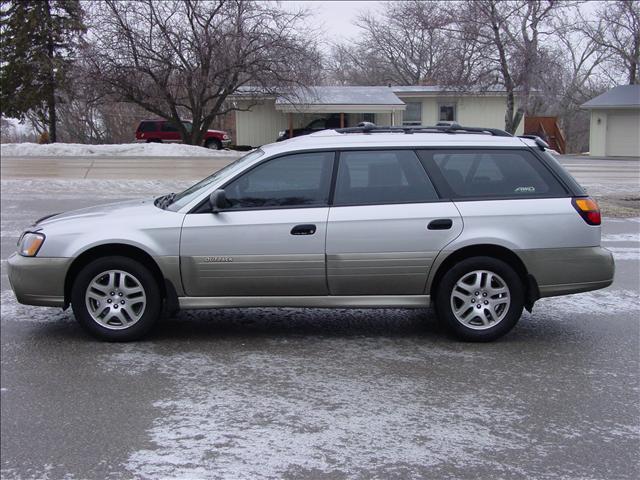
(116, 150)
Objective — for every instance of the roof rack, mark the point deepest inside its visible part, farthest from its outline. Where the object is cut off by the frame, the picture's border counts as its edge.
(539, 141)
(367, 127)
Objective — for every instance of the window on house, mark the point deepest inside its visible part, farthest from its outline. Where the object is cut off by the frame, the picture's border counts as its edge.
(413, 114)
(447, 112)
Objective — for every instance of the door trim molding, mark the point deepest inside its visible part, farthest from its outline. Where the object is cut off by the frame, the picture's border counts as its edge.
(331, 301)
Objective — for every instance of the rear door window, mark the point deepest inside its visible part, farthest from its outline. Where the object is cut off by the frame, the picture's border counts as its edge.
(491, 174)
(382, 177)
(168, 127)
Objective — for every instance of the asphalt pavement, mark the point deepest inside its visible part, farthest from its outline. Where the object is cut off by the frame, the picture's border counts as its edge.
(319, 394)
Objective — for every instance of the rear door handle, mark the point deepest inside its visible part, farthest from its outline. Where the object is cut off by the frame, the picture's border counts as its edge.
(306, 229)
(440, 224)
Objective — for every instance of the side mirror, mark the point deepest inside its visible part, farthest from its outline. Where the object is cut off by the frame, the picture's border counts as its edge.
(218, 201)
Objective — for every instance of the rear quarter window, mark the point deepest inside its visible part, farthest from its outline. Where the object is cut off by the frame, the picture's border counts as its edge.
(491, 174)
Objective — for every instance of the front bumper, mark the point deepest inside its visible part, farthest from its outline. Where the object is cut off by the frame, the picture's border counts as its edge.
(561, 271)
(38, 281)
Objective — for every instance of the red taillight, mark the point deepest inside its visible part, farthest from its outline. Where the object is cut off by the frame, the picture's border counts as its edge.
(588, 210)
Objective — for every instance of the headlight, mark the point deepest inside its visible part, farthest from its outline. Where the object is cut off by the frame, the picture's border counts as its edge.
(225, 137)
(281, 133)
(30, 243)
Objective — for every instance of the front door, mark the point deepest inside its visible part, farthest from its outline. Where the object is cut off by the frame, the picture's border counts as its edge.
(386, 225)
(271, 238)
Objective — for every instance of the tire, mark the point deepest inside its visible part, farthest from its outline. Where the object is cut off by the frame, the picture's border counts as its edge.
(126, 314)
(500, 296)
(214, 144)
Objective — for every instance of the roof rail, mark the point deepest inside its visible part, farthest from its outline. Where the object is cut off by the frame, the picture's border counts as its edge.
(367, 127)
(539, 141)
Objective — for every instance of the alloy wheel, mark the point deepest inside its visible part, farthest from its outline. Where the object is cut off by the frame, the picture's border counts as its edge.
(115, 299)
(480, 299)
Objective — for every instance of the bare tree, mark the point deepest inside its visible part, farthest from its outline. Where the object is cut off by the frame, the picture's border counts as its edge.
(183, 58)
(12, 133)
(509, 35)
(407, 44)
(573, 73)
(87, 115)
(354, 64)
(478, 44)
(617, 31)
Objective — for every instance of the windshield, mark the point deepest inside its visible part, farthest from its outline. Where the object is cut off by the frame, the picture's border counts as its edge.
(183, 198)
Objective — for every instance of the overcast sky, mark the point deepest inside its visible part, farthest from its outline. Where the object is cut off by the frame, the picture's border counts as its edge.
(334, 18)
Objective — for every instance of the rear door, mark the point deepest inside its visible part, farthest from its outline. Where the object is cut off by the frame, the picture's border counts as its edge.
(169, 132)
(386, 225)
(271, 238)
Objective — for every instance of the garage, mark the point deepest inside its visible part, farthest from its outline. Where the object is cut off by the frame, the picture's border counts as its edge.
(623, 134)
(615, 122)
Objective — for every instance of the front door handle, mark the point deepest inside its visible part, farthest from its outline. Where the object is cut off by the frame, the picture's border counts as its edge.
(440, 224)
(306, 229)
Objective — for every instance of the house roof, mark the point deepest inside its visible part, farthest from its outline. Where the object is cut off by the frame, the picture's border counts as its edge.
(342, 95)
(431, 89)
(624, 96)
(348, 98)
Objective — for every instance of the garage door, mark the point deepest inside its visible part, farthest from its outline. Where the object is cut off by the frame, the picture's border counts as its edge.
(623, 134)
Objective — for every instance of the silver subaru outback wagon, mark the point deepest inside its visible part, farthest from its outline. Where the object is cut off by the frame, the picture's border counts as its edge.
(477, 222)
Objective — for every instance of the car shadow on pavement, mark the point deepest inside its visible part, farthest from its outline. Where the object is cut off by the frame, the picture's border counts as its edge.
(298, 322)
(265, 323)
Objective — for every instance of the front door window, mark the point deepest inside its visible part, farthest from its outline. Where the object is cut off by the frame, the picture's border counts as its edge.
(293, 181)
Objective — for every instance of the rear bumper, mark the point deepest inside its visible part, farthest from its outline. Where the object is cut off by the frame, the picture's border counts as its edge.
(38, 281)
(561, 271)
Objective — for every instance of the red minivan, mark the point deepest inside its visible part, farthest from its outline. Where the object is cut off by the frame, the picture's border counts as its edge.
(164, 131)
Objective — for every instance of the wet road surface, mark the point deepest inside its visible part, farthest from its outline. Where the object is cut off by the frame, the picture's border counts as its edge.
(311, 393)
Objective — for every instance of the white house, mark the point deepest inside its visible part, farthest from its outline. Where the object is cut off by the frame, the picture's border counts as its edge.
(615, 122)
(263, 116)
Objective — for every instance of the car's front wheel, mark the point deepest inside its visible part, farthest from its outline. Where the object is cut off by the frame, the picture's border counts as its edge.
(480, 299)
(116, 298)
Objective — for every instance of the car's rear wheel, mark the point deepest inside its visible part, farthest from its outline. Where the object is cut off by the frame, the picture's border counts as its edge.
(116, 299)
(214, 144)
(480, 299)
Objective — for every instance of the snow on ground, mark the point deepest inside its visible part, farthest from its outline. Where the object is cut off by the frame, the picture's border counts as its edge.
(119, 150)
(612, 243)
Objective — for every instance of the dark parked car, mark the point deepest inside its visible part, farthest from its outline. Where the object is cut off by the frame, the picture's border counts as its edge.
(150, 131)
(318, 124)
